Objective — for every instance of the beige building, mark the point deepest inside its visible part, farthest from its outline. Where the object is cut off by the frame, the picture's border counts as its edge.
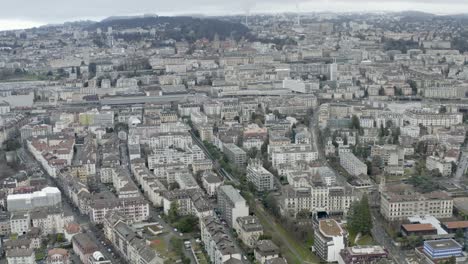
(248, 229)
(400, 201)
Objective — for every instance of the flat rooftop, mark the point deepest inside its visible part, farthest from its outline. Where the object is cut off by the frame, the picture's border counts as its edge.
(330, 227)
(444, 244)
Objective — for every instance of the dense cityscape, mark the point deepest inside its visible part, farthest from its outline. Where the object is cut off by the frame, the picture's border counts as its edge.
(269, 139)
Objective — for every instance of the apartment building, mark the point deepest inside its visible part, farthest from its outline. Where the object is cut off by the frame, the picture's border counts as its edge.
(136, 209)
(23, 256)
(352, 164)
(329, 240)
(291, 154)
(235, 154)
(132, 247)
(430, 118)
(83, 246)
(189, 202)
(231, 204)
(248, 229)
(401, 201)
(436, 163)
(391, 155)
(219, 246)
(260, 177)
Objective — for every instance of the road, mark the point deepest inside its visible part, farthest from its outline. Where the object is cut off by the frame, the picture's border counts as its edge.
(461, 169)
(313, 127)
(380, 235)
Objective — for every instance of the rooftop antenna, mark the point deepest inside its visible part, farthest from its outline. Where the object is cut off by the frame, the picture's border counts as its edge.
(247, 18)
(298, 14)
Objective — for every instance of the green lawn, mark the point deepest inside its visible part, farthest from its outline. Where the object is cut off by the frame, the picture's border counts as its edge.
(363, 241)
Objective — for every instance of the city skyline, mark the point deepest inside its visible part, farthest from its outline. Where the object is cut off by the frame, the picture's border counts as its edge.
(18, 17)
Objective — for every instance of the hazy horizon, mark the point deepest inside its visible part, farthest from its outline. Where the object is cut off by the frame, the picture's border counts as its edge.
(24, 14)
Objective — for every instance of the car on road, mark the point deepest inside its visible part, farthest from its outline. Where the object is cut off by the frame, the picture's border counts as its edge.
(175, 229)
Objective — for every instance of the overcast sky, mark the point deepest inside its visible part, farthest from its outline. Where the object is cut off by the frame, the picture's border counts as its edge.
(28, 13)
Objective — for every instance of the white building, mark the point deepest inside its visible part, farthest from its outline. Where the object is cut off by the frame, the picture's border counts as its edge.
(436, 163)
(20, 256)
(352, 164)
(231, 204)
(261, 178)
(329, 240)
(47, 197)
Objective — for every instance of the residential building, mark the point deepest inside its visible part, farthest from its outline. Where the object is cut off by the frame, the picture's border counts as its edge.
(219, 246)
(58, 256)
(231, 204)
(260, 177)
(266, 250)
(235, 154)
(352, 164)
(248, 229)
(83, 246)
(23, 256)
(329, 240)
(436, 163)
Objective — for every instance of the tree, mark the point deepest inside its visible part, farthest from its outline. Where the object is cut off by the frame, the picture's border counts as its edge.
(359, 217)
(355, 123)
(252, 153)
(173, 212)
(271, 204)
(187, 224)
(413, 86)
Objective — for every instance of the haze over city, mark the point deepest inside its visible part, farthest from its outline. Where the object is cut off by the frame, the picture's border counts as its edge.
(234, 132)
(27, 13)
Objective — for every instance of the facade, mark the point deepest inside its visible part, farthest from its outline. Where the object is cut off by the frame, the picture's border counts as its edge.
(248, 229)
(231, 204)
(329, 240)
(291, 154)
(444, 248)
(260, 177)
(331, 199)
(431, 118)
(352, 164)
(136, 209)
(58, 256)
(235, 154)
(399, 202)
(23, 256)
(47, 197)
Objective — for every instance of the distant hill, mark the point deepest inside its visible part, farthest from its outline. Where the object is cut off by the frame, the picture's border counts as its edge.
(182, 27)
(415, 14)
